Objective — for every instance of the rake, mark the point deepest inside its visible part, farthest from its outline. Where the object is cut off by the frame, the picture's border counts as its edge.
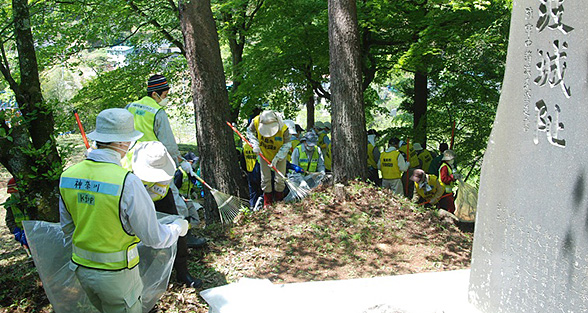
(298, 192)
(228, 206)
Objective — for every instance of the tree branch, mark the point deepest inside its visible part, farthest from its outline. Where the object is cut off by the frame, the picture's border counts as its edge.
(163, 31)
(5, 69)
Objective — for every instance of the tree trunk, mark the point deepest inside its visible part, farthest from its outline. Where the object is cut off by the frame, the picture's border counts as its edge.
(349, 149)
(421, 94)
(29, 151)
(237, 45)
(216, 146)
(310, 111)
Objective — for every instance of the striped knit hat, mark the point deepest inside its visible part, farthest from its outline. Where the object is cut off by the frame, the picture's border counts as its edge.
(157, 83)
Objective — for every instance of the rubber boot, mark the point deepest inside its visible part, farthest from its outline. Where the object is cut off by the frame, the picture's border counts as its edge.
(279, 195)
(267, 199)
(184, 277)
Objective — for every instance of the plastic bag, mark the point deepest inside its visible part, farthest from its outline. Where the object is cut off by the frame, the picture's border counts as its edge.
(51, 253)
(466, 202)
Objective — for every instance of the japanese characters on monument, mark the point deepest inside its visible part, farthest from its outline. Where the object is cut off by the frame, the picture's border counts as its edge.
(551, 69)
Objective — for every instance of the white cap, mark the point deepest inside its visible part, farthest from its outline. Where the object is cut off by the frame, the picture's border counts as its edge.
(291, 126)
(152, 162)
(269, 123)
(115, 125)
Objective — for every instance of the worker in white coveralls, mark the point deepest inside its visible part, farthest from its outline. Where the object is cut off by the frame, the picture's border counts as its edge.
(106, 211)
(270, 136)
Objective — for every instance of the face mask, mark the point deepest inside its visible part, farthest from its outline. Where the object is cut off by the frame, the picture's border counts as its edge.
(162, 102)
(123, 151)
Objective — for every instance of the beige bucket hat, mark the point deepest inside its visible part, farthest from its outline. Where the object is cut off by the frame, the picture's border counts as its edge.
(115, 125)
(152, 162)
(448, 155)
(269, 123)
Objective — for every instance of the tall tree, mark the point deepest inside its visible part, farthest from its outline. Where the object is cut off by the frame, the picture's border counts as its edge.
(349, 133)
(220, 166)
(27, 145)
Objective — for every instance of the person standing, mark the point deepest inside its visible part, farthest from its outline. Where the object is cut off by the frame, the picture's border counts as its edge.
(373, 153)
(392, 165)
(424, 156)
(105, 211)
(151, 119)
(270, 137)
(155, 167)
(448, 177)
(436, 162)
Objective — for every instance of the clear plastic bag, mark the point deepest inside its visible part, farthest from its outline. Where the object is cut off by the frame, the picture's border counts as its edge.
(51, 253)
(466, 202)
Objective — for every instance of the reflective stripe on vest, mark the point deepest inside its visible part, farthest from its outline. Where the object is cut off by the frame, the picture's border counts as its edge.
(304, 162)
(91, 192)
(433, 182)
(448, 188)
(371, 159)
(389, 164)
(144, 112)
(270, 145)
(250, 157)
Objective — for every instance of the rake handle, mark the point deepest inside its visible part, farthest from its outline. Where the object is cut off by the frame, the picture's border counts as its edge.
(81, 129)
(260, 154)
(203, 182)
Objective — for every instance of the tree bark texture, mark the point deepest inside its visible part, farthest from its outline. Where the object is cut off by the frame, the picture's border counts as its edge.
(29, 151)
(421, 94)
(310, 112)
(216, 146)
(349, 147)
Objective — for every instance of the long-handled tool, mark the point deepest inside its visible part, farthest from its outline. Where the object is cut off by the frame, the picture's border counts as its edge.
(299, 192)
(228, 206)
(81, 129)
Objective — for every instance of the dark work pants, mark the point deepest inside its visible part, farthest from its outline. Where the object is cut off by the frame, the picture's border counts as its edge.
(167, 205)
(254, 182)
(374, 176)
(407, 184)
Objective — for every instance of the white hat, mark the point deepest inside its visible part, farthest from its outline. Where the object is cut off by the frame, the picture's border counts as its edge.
(152, 163)
(291, 126)
(311, 139)
(269, 123)
(448, 155)
(319, 124)
(115, 125)
(417, 146)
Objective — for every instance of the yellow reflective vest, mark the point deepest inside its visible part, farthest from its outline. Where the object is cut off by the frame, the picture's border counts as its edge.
(435, 186)
(426, 157)
(448, 188)
(414, 158)
(91, 192)
(144, 112)
(250, 157)
(371, 159)
(186, 189)
(270, 145)
(307, 164)
(389, 165)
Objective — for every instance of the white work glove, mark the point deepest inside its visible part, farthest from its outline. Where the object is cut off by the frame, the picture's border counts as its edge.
(182, 224)
(256, 149)
(187, 167)
(275, 162)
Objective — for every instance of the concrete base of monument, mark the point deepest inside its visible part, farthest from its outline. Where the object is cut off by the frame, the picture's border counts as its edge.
(435, 292)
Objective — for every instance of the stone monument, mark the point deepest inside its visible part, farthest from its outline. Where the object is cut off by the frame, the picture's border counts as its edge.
(531, 241)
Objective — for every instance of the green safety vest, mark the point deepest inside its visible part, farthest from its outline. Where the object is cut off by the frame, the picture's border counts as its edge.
(448, 188)
(270, 146)
(144, 112)
(91, 192)
(186, 189)
(389, 164)
(304, 162)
